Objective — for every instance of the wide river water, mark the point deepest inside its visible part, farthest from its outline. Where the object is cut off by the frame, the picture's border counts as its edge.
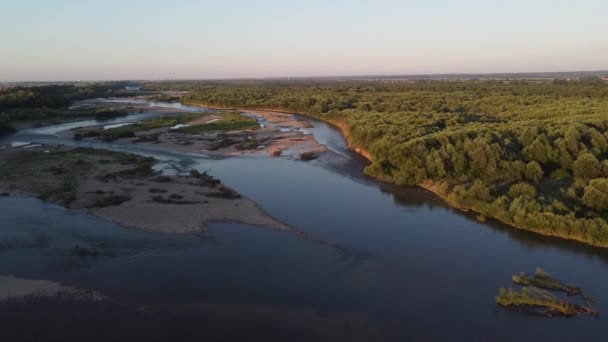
(411, 268)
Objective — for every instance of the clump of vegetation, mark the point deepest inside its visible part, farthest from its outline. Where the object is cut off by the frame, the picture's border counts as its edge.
(308, 156)
(160, 97)
(115, 133)
(64, 192)
(129, 131)
(229, 121)
(544, 280)
(535, 297)
(535, 294)
(109, 113)
(56, 175)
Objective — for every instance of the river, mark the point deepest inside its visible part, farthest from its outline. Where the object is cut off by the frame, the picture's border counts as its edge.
(415, 270)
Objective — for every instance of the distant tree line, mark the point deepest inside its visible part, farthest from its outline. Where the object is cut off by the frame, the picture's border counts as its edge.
(52, 101)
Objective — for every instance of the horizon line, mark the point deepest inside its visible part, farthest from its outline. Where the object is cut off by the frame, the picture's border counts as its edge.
(352, 76)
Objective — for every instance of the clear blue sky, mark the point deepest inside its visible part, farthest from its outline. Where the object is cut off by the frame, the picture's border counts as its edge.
(111, 39)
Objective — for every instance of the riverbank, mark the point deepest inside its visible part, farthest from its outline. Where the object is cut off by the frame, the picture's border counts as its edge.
(437, 187)
(123, 188)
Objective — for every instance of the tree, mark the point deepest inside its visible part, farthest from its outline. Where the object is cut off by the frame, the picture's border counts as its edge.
(586, 166)
(479, 191)
(596, 194)
(522, 189)
(539, 150)
(533, 171)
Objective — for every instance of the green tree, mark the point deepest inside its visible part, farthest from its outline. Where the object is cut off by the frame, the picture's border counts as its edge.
(586, 166)
(596, 194)
(533, 171)
(522, 189)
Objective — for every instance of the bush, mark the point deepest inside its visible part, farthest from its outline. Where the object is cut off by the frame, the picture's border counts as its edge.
(522, 189)
(533, 171)
(586, 166)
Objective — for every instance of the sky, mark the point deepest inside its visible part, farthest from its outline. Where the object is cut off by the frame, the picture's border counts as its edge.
(55, 40)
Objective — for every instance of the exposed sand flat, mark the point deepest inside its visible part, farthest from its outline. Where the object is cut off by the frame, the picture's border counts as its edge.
(108, 186)
(19, 288)
(280, 119)
(179, 205)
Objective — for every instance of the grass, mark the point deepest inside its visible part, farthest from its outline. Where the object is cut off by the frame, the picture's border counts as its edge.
(130, 130)
(544, 280)
(65, 192)
(109, 113)
(535, 297)
(230, 121)
(55, 175)
(308, 156)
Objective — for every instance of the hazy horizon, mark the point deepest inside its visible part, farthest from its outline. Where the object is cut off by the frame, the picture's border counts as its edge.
(75, 40)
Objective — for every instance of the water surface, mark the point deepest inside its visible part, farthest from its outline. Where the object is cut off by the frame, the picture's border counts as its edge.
(418, 270)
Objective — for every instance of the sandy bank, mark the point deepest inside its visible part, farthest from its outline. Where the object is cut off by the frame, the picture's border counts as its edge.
(120, 188)
(12, 288)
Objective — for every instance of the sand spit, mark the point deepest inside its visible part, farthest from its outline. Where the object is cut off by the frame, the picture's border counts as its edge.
(12, 288)
(122, 188)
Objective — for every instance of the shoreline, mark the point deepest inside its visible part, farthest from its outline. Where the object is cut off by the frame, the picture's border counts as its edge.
(429, 185)
(107, 186)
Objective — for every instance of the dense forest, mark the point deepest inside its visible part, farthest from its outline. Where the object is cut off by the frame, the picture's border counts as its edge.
(533, 154)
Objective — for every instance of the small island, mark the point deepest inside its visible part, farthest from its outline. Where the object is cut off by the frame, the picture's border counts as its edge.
(124, 188)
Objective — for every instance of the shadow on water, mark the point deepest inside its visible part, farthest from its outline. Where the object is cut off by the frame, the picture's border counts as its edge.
(420, 198)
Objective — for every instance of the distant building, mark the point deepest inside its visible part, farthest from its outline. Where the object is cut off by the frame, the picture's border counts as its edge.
(605, 78)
